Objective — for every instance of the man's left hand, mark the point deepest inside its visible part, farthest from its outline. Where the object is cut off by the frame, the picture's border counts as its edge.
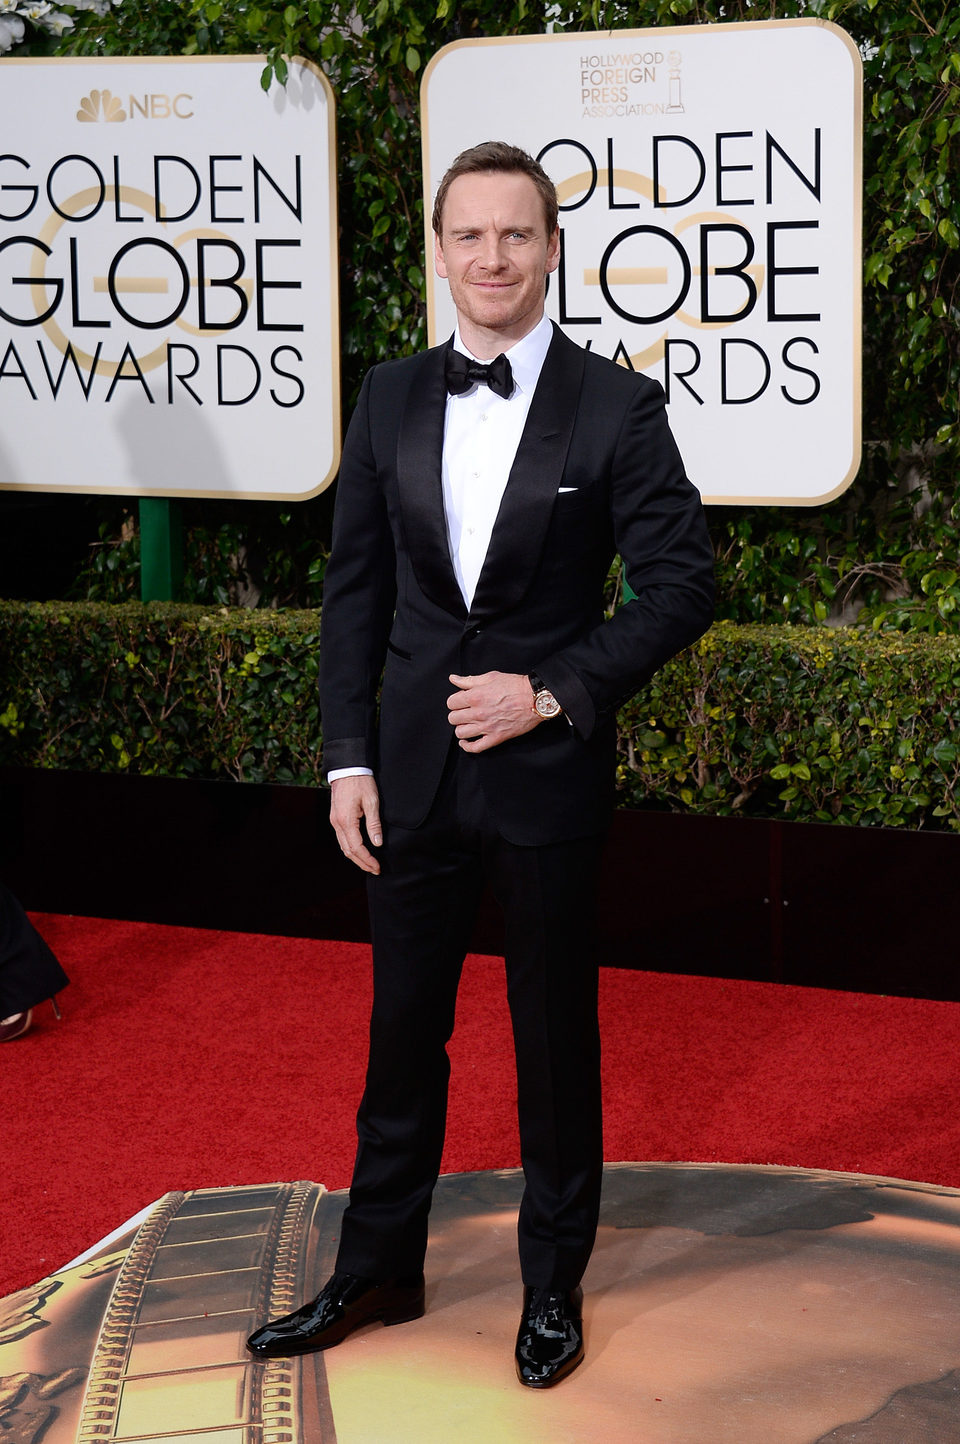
(490, 709)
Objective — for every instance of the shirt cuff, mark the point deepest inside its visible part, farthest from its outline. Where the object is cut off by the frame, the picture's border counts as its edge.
(349, 772)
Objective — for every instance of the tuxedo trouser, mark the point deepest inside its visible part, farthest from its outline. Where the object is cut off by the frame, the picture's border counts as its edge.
(422, 908)
(29, 972)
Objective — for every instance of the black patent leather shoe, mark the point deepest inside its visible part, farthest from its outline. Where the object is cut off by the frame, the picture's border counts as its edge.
(345, 1303)
(550, 1338)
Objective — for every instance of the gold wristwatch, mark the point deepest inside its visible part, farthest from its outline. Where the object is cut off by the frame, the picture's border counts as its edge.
(545, 703)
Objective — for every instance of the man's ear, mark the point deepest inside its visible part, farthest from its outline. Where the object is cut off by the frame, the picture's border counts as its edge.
(553, 250)
(438, 261)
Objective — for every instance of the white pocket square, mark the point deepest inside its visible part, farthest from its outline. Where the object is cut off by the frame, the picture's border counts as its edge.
(562, 489)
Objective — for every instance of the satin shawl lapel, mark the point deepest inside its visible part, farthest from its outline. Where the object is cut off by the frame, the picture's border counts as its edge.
(527, 504)
(419, 478)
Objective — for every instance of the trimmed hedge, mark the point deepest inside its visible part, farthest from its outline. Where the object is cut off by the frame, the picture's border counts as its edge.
(813, 723)
(164, 689)
(810, 723)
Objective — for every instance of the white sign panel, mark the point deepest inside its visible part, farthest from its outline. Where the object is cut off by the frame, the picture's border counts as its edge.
(709, 179)
(168, 278)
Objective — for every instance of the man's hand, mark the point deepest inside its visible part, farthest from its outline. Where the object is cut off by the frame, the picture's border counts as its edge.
(352, 800)
(490, 709)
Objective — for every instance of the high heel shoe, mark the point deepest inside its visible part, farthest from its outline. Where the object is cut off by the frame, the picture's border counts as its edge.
(19, 1023)
(15, 1026)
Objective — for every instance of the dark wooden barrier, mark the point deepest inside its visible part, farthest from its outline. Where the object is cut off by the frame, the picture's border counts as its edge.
(875, 910)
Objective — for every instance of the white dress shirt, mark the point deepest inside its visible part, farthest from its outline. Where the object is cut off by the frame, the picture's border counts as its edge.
(481, 433)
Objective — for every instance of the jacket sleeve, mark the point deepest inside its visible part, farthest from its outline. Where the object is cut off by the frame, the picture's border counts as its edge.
(359, 597)
(661, 535)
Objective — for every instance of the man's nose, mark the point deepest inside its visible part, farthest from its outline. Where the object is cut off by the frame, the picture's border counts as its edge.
(492, 256)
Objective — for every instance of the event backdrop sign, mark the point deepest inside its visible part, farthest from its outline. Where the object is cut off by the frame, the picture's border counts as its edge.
(710, 188)
(168, 278)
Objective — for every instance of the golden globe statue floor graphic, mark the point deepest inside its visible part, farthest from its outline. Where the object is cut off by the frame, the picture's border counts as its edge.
(724, 1305)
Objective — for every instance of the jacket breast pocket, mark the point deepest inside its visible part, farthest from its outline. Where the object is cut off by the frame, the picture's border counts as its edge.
(574, 500)
(573, 509)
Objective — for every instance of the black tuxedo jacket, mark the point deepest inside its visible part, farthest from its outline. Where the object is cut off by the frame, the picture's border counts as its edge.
(596, 472)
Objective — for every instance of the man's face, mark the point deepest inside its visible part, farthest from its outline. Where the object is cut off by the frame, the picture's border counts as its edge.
(495, 252)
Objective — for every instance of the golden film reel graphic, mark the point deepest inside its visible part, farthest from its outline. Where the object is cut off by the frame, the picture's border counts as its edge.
(147, 1341)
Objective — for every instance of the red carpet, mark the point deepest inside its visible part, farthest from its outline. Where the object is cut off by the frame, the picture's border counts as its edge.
(187, 1059)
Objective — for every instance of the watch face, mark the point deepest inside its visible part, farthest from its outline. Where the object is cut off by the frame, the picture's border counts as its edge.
(546, 704)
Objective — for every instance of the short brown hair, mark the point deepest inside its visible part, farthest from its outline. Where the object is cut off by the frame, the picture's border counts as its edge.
(494, 156)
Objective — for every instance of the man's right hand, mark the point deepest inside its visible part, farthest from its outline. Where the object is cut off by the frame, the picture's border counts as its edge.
(354, 800)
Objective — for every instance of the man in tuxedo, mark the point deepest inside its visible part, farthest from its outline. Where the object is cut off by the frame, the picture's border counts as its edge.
(486, 486)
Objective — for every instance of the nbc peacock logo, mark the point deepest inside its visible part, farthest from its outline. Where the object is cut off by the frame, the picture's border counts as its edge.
(101, 105)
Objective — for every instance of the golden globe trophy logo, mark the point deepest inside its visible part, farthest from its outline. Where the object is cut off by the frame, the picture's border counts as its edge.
(709, 182)
(168, 279)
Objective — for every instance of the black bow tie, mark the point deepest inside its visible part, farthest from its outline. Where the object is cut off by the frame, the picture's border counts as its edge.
(462, 372)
